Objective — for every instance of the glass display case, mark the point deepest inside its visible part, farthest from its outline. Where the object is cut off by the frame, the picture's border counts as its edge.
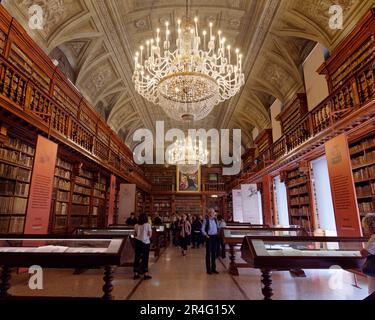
(104, 232)
(306, 253)
(47, 252)
(233, 236)
(158, 240)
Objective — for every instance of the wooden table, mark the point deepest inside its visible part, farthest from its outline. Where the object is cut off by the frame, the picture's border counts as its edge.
(277, 254)
(233, 236)
(26, 251)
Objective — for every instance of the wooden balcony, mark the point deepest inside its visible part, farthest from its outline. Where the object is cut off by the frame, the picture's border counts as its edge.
(48, 101)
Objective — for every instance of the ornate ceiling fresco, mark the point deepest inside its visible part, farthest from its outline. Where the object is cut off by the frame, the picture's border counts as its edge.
(95, 41)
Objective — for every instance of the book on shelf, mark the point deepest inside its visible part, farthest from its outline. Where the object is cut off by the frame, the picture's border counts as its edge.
(60, 221)
(62, 195)
(99, 193)
(61, 184)
(16, 224)
(81, 189)
(20, 146)
(364, 173)
(365, 190)
(362, 146)
(64, 164)
(13, 172)
(16, 157)
(79, 199)
(61, 208)
(78, 209)
(366, 207)
(366, 158)
(4, 223)
(62, 173)
(10, 187)
(83, 181)
(12, 205)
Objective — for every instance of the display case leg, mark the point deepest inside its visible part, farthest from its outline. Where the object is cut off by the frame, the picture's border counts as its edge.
(108, 287)
(5, 282)
(267, 282)
(233, 270)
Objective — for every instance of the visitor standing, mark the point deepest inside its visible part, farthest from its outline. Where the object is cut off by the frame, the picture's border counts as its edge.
(185, 233)
(142, 235)
(210, 230)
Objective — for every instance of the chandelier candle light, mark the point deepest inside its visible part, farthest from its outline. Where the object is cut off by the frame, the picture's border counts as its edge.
(188, 155)
(190, 79)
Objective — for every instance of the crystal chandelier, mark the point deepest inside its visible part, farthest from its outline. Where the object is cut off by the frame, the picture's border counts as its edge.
(188, 155)
(188, 80)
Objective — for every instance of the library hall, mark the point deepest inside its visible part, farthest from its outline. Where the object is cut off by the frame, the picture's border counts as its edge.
(182, 150)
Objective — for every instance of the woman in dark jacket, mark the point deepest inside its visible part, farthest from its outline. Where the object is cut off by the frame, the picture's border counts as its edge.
(196, 232)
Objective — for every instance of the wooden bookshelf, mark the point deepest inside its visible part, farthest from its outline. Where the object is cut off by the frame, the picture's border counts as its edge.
(148, 204)
(34, 91)
(61, 196)
(215, 203)
(362, 154)
(139, 202)
(162, 179)
(116, 200)
(293, 112)
(162, 205)
(189, 205)
(16, 161)
(264, 140)
(82, 194)
(98, 201)
(298, 193)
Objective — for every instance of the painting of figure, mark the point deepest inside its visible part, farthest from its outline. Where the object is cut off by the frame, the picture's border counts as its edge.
(188, 182)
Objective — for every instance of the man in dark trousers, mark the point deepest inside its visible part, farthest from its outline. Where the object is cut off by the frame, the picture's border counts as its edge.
(210, 231)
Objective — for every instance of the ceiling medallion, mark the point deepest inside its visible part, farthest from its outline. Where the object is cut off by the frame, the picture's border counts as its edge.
(188, 80)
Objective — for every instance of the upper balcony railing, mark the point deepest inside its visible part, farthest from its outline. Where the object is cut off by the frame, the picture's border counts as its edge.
(350, 96)
(44, 94)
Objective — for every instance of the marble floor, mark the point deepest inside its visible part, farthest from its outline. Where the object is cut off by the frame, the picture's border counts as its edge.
(184, 278)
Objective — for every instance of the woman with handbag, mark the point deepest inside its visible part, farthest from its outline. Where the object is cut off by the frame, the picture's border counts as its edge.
(185, 233)
(368, 269)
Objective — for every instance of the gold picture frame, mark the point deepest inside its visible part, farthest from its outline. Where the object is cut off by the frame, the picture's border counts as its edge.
(188, 183)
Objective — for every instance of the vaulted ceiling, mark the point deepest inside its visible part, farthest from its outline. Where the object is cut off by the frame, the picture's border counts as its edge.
(95, 41)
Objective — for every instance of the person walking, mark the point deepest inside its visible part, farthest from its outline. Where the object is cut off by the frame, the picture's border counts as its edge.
(196, 228)
(210, 230)
(221, 244)
(132, 220)
(185, 233)
(142, 234)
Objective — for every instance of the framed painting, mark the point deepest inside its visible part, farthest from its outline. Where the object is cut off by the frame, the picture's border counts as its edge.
(188, 182)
